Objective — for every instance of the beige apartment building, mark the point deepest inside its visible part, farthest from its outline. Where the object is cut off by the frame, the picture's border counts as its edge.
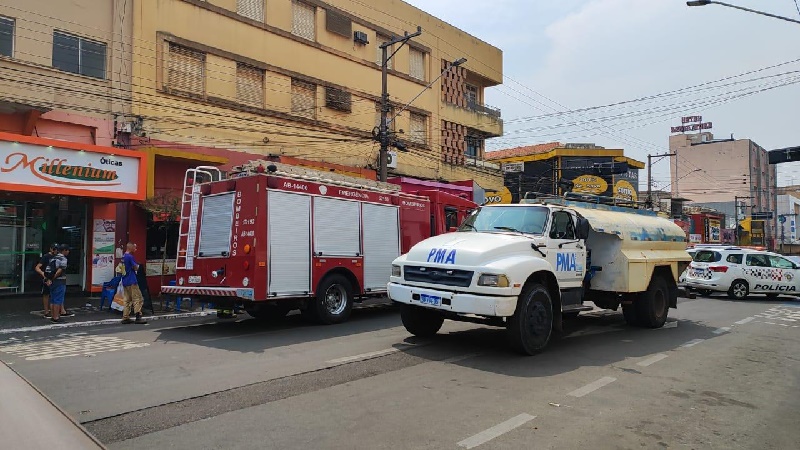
(302, 78)
(713, 172)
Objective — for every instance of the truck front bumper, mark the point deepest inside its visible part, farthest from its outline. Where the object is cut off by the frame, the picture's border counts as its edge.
(482, 305)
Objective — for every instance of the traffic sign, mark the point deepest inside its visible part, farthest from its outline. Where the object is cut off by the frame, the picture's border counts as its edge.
(782, 219)
(761, 215)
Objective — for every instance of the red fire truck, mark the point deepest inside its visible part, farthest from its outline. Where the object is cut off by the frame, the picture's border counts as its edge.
(271, 238)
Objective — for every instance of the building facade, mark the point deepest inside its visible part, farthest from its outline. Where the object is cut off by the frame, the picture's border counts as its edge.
(555, 168)
(302, 78)
(718, 173)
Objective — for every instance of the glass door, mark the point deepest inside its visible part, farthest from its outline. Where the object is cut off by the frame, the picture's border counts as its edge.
(34, 245)
(11, 218)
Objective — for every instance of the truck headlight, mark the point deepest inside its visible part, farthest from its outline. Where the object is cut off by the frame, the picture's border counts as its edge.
(397, 271)
(488, 279)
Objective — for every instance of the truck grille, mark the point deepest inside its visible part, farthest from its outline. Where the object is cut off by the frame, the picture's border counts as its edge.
(434, 275)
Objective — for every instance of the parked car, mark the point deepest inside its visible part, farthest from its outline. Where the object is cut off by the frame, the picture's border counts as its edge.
(740, 272)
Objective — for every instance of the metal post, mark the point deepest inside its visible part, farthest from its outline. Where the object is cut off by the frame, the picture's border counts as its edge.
(383, 133)
(650, 181)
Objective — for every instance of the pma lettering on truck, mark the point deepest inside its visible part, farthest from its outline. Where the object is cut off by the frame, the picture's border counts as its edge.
(442, 256)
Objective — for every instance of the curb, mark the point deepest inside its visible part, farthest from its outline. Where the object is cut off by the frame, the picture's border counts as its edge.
(90, 323)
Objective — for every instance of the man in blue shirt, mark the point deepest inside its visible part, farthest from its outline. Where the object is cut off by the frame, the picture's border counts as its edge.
(131, 287)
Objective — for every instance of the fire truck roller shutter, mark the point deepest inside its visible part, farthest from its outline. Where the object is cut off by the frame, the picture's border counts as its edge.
(289, 243)
(216, 225)
(337, 227)
(381, 244)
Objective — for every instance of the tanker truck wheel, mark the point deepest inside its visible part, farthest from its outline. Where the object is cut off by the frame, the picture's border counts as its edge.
(652, 306)
(530, 327)
(419, 321)
(334, 300)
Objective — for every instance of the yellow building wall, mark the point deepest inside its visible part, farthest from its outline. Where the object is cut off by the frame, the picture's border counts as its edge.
(332, 136)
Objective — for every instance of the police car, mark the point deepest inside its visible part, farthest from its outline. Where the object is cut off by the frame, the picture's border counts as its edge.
(740, 272)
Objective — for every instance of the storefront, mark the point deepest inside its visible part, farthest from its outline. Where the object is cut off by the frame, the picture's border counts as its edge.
(62, 192)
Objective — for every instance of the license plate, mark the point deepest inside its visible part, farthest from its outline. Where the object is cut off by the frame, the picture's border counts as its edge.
(195, 279)
(433, 300)
(246, 294)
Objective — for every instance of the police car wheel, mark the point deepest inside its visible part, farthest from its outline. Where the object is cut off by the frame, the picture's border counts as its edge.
(419, 321)
(531, 326)
(652, 306)
(739, 290)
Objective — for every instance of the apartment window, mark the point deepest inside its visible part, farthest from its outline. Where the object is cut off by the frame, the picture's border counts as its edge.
(6, 36)
(338, 23)
(338, 99)
(304, 99)
(418, 129)
(474, 146)
(253, 9)
(249, 85)
(304, 20)
(78, 55)
(379, 58)
(471, 95)
(417, 64)
(186, 70)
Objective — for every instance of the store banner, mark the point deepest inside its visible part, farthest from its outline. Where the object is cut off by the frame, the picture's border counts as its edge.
(103, 234)
(29, 164)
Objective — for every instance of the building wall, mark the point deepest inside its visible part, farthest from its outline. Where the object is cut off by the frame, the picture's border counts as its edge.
(215, 114)
(716, 172)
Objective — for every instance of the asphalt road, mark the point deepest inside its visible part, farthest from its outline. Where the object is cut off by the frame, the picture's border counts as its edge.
(721, 374)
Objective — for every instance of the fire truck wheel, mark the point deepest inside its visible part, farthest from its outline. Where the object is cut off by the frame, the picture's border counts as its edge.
(421, 322)
(334, 300)
(652, 306)
(530, 327)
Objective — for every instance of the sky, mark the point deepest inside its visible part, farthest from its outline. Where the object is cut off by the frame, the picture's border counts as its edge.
(568, 55)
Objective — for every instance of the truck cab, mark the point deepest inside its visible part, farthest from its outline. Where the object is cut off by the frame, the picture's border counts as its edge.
(527, 266)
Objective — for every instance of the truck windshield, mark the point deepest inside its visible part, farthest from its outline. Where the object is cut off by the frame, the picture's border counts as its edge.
(494, 219)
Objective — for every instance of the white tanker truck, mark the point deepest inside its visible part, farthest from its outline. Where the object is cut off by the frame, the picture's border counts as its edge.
(527, 266)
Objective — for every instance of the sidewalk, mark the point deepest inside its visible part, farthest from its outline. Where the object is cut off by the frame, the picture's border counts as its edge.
(22, 311)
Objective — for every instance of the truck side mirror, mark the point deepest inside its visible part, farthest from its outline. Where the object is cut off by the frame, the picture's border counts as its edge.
(582, 228)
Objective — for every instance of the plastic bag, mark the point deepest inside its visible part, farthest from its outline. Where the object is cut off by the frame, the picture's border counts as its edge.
(118, 304)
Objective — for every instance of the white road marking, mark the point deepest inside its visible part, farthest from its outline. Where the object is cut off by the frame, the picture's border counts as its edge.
(456, 359)
(362, 356)
(722, 330)
(673, 324)
(71, 346)
(496, 431)
(770, 323)
(746, 320)
(652, 360)
(692, 343)
(591, 387)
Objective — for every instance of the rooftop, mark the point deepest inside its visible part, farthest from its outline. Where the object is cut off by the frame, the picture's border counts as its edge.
(523, 151)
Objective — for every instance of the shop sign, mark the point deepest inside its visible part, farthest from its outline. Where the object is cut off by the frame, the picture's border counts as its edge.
(63, 169)
(624, 190)
(502, 196)
(695, 238)
(589, 184)
(514, 167)
(713, 230)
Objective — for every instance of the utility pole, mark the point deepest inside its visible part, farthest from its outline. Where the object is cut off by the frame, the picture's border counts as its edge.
(650, 176)
(736, 215)
(383, 132)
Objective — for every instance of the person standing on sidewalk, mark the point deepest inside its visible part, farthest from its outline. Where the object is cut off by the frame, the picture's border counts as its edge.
(41, 268)
(58, 282)
(130, 285)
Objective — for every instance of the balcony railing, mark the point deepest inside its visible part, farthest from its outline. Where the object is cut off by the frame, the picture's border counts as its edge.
(483, 109)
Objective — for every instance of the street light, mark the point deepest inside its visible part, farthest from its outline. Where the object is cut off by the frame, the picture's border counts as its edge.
(712, 2)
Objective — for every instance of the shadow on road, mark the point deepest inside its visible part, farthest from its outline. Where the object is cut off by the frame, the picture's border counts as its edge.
(599, 340)
(248, 335)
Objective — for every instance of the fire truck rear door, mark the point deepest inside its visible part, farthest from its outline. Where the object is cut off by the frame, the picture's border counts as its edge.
(289, 243)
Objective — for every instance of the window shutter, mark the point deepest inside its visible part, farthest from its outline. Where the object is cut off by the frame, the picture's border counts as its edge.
(338, 99)
(417, 64)
(253, 9)
(379, 40)
(186, 70)
(338, 23)
(303, 20)
(304, 99)
(417, 131)
(249, 85)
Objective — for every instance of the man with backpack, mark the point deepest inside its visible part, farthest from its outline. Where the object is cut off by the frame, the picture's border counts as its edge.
(45, 270)
(131, 287)
(57, 282)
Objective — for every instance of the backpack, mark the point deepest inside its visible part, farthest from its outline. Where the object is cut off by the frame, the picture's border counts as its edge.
(52, 268)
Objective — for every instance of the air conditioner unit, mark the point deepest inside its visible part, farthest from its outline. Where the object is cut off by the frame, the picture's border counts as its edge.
(126, 127)
(360, 37)
(391, 160)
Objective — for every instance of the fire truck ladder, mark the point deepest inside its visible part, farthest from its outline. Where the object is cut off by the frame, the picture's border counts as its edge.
(190, 206)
